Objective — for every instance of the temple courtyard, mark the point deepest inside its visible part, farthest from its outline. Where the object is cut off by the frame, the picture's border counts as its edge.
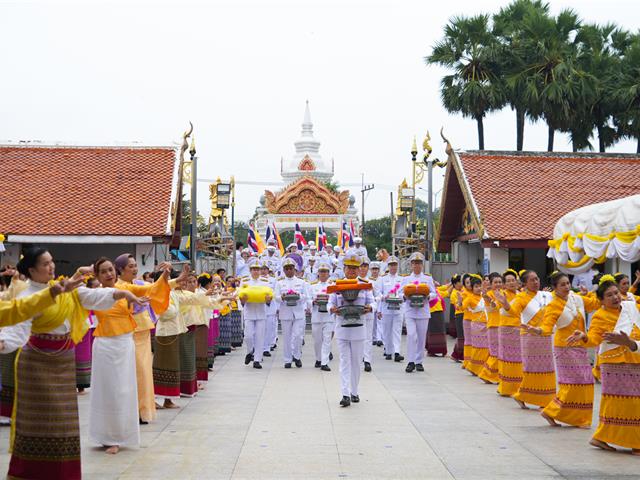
(285, 424)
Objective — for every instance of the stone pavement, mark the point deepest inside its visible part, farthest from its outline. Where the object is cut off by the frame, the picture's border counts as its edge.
(286, 424)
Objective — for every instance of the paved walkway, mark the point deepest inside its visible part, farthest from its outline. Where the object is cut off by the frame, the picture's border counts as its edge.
(285, 424)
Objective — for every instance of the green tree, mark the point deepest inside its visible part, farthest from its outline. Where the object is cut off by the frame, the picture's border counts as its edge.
(475, 87)
(511, 37)
(378, 235)
(627, 91)
(185, 229)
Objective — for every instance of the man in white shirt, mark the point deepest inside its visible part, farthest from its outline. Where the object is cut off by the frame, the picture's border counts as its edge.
(417, 317)
(368, 317)
(271, 324)
(311, 271)
(359, 248)
(272, 259)
(291, 312)
(374, 277)
(242, 264)
(390, 286)
(322, 320)
(254, 316)
(351, 338)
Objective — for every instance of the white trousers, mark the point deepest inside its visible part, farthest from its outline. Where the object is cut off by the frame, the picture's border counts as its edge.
(113, 402)
(368, 325)
(270, 332)
(377, 328)
(292, 333)
(392, 332)
(416, 338)
(351, 352)
(254, 337)
(322, 341)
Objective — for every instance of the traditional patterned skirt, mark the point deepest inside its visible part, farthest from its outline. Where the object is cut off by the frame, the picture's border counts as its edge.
(538, 385)
(224, 340)
(452, 329)
(47, 430)
(237, 332)
(468, 348)
(212, 340)
(480, 347)
(7, 371)
(573, 404)
(202, 361)
(489, 372)
(436, 337)
(188, 382)
(166, 366)
(509, 360)
(83, 360)
(620, 405)
(144, 375)
(458, 350)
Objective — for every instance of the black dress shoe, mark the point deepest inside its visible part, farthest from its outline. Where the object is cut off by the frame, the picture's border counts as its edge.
(142, 422)
(298, 362)
(355, 398)
(379, 343)
(247, 358)
(273, 347)
(345, 402)
(325, 368)
(367, 367)
(287, 365)
(419, 367)
(257, 365)
(410, 367)
(398, 358)
(388, 357)
(374, 343)
(330, 356)
(318, 364)
(266, 354)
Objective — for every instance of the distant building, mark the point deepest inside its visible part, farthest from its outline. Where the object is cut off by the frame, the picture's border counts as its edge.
(86, 202)
(498, 209)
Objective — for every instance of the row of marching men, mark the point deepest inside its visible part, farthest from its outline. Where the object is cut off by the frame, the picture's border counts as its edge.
(534, 345)
(47, 320)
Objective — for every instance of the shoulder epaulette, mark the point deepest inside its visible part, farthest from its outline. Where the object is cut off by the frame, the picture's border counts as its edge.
(404, 274)
(313, 283)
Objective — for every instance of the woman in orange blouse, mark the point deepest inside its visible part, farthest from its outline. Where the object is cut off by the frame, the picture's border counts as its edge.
(473, 306)
(509, 347)
(466, 320)
(455, 300)
(489, 372)
(615, 328)
(573, 404)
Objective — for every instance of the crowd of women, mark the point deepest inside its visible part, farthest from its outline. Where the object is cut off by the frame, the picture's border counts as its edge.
(535, 346)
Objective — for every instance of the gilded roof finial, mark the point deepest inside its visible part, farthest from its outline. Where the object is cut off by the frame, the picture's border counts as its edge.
(448, 149)
(192, 149)
(414, 147)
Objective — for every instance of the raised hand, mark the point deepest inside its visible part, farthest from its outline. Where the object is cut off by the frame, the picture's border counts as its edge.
(620, 338)
(575, 337)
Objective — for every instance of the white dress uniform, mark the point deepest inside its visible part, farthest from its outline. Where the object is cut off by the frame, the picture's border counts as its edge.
(255, 317)
(391, 319)
(377, 324)
(350, 344)
(361, 251)
(274, 262)
(322, 324)
(311, 272)
(368, 323)
(292, 319)
(417, 319)
(271, 324)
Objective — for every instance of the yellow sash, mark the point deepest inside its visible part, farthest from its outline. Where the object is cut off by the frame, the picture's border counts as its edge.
(67, 307)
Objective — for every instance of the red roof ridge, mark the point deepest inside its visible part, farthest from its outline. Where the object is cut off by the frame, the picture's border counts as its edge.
(533, 154)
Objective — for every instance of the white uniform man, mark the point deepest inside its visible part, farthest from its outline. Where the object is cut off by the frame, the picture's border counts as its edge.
(351, 339)
(374, 277)
(292, 317)
(242, 264)
(390, 285)
(254, 316)
(336, 263)
(322, 321)
(417, 318)
(272, 259)
(271, 325)
(359, 248)
(311, 270)
(368, 317)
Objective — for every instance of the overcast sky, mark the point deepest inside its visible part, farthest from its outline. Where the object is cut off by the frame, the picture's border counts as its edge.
(105, 72)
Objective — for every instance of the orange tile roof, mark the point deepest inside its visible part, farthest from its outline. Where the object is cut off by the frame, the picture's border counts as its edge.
(521, 195)
(62, 190)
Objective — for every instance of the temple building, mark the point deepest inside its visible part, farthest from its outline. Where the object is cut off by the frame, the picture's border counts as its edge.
(309, 197)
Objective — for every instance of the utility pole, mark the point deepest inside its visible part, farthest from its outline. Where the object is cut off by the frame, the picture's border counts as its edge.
(193, 252)
(365, 189)
(233, 222)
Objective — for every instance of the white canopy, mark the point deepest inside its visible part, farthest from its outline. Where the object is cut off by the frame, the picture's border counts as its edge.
(596, 232)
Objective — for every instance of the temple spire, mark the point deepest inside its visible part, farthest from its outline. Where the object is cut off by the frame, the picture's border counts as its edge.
(307, 126)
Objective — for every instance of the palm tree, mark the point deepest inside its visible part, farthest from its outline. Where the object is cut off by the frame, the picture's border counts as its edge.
(554, 85)
(471, 51)
(507, 27)
(626, 91)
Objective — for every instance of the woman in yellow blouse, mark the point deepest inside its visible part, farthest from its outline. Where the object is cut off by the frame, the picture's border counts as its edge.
(615, 328)
(473, 306)
(538, 385)
(573, 404)
(490, 369)
(456, 304)
(466, 320)
(509, 347)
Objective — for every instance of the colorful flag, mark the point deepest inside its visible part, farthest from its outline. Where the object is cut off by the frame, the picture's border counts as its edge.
(261, 244)
(278, 239)
(352, 233)
(268, 234)
(324, 237)
(252, 243)
(299, 238)
(344, 236)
